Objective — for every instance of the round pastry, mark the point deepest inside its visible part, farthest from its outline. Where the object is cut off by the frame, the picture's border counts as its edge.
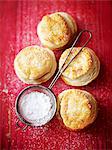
(83, 69)
(56, 30)
(35, 65)
(76, 108)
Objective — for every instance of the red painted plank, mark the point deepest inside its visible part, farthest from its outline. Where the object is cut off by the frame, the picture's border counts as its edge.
(18, 22)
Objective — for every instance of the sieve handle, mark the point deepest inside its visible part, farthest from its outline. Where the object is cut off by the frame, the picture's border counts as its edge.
(64, 65)
(22, 128)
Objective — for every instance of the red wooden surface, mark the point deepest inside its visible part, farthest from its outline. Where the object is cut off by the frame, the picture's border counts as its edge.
(18, 22)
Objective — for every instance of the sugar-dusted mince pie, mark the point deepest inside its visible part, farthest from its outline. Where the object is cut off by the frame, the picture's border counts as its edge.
(76, 108)
(35, 65)
(56, 30)
(83, 69)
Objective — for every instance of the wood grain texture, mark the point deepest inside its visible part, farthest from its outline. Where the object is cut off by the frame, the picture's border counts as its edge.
(18, 23)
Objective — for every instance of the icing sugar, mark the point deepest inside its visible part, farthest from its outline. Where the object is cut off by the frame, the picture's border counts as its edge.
(36, 108)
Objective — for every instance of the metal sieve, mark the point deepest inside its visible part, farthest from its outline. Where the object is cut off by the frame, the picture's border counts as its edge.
(46, 90)
(19, 99)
